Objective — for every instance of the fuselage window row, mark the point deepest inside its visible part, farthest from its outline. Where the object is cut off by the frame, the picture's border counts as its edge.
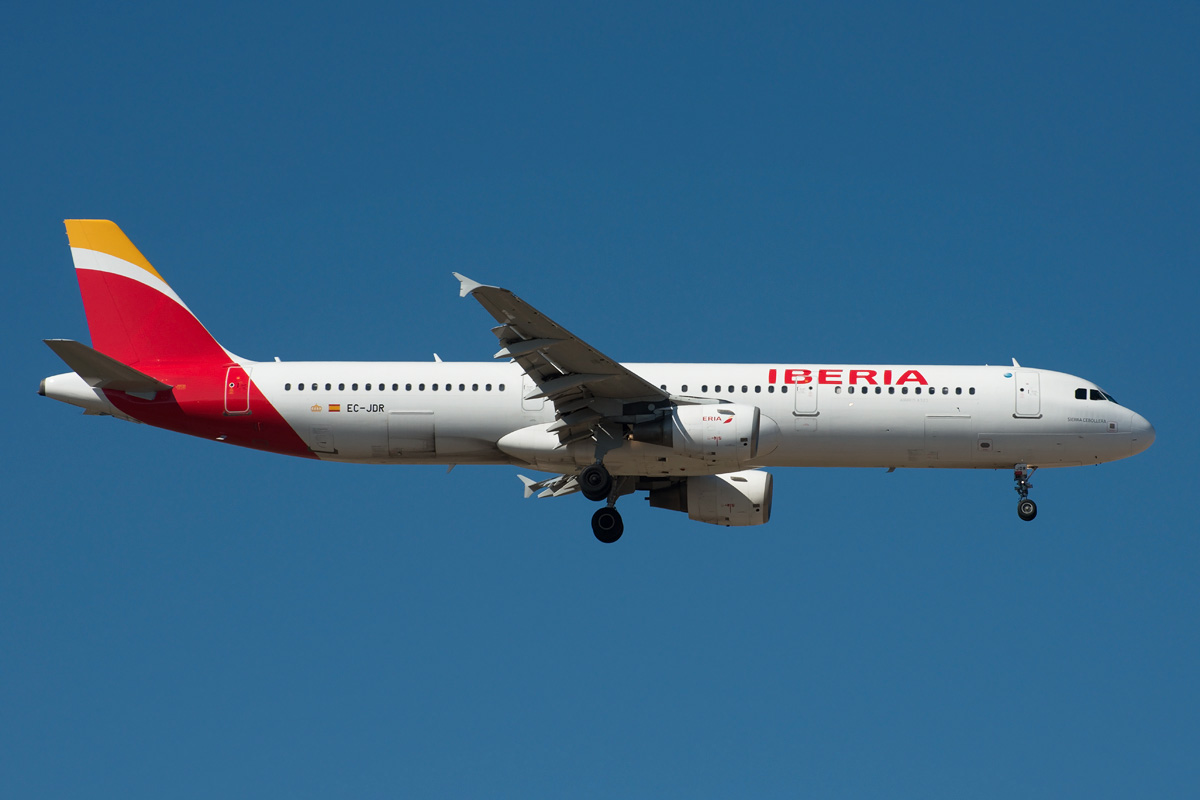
(837, 389)
(382, 387)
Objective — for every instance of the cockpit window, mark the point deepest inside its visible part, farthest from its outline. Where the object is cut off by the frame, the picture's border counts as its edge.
(1097, 394)
(1081, 394)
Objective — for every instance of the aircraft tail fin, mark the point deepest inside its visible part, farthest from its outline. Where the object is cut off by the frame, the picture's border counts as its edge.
(133, 315)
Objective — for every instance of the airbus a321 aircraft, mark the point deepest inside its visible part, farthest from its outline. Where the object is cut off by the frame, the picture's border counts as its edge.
(696, 437)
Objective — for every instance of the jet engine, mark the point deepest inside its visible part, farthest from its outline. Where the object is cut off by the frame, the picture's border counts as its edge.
(735, 498)
(733, 434)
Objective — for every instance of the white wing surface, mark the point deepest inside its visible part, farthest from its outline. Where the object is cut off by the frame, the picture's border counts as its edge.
(586, 387)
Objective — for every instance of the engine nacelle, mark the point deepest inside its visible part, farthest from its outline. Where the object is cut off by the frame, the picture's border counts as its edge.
(735, 498)
(731, 434)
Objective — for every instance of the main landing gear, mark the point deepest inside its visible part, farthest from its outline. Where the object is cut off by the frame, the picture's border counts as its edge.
(1026, 508)
(597, 484)
(607, 524)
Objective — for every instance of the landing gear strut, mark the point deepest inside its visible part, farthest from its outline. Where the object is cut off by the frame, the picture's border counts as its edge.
(597, 484)
(1026, 508)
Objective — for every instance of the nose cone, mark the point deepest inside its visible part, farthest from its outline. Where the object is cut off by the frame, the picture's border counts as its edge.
(1142, 433)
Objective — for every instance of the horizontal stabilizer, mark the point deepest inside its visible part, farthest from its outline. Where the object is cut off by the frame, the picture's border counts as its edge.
(101, 371)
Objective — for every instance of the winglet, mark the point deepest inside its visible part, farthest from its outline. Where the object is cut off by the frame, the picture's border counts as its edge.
(1015, 364)
(466, 285)
(530, 485)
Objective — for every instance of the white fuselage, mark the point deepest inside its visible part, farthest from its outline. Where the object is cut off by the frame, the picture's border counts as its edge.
(826, 416)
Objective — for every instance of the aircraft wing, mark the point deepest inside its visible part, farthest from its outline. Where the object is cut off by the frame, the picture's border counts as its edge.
(585, 386)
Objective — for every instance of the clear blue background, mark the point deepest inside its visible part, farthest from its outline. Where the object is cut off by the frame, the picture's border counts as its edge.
(925, 183)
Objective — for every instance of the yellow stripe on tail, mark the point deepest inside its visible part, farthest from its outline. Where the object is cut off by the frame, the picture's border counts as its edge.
(104, 236)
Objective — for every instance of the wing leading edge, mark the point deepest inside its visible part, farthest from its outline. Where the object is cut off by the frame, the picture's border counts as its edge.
(586, 387)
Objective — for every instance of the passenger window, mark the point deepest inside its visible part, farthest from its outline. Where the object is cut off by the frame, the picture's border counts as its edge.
(474, 387)
(408, 387)
(395, 387)
(837, 390)
(704, 388)
(433, 386)
(487, 388)
(878, 390)
(971, 390)
(299, 387)
(891, 390)
(945, 390)
(683, 388)
(783, 390)
(958, 390)
(770, 390)
(501, 387)
(287, 387)
(421, 387)
(341, 387)
(744, 390)
(354, 387)
(904, 390)
(462, 387)
(367, 388)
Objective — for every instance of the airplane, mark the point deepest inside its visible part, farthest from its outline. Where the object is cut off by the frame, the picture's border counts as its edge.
(697, 438)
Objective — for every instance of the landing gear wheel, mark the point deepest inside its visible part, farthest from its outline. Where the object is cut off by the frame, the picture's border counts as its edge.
(1026, 509)
(595, 483)
(607, 524)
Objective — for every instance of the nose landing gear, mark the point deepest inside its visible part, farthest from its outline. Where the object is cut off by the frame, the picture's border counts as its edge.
(1026, 508)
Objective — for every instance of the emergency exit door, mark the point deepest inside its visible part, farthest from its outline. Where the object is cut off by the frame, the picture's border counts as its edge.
(1029, 399)
(237, 391)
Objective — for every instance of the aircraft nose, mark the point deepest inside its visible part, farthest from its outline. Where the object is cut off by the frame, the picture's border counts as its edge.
(1142, 433)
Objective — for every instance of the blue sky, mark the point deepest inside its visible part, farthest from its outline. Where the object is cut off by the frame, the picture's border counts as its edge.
(673, 182)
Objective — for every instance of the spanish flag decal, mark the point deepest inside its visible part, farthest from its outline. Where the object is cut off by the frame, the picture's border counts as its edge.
(335, 406)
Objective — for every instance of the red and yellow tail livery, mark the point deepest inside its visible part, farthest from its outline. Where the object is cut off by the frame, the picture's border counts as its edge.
(697, 438)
